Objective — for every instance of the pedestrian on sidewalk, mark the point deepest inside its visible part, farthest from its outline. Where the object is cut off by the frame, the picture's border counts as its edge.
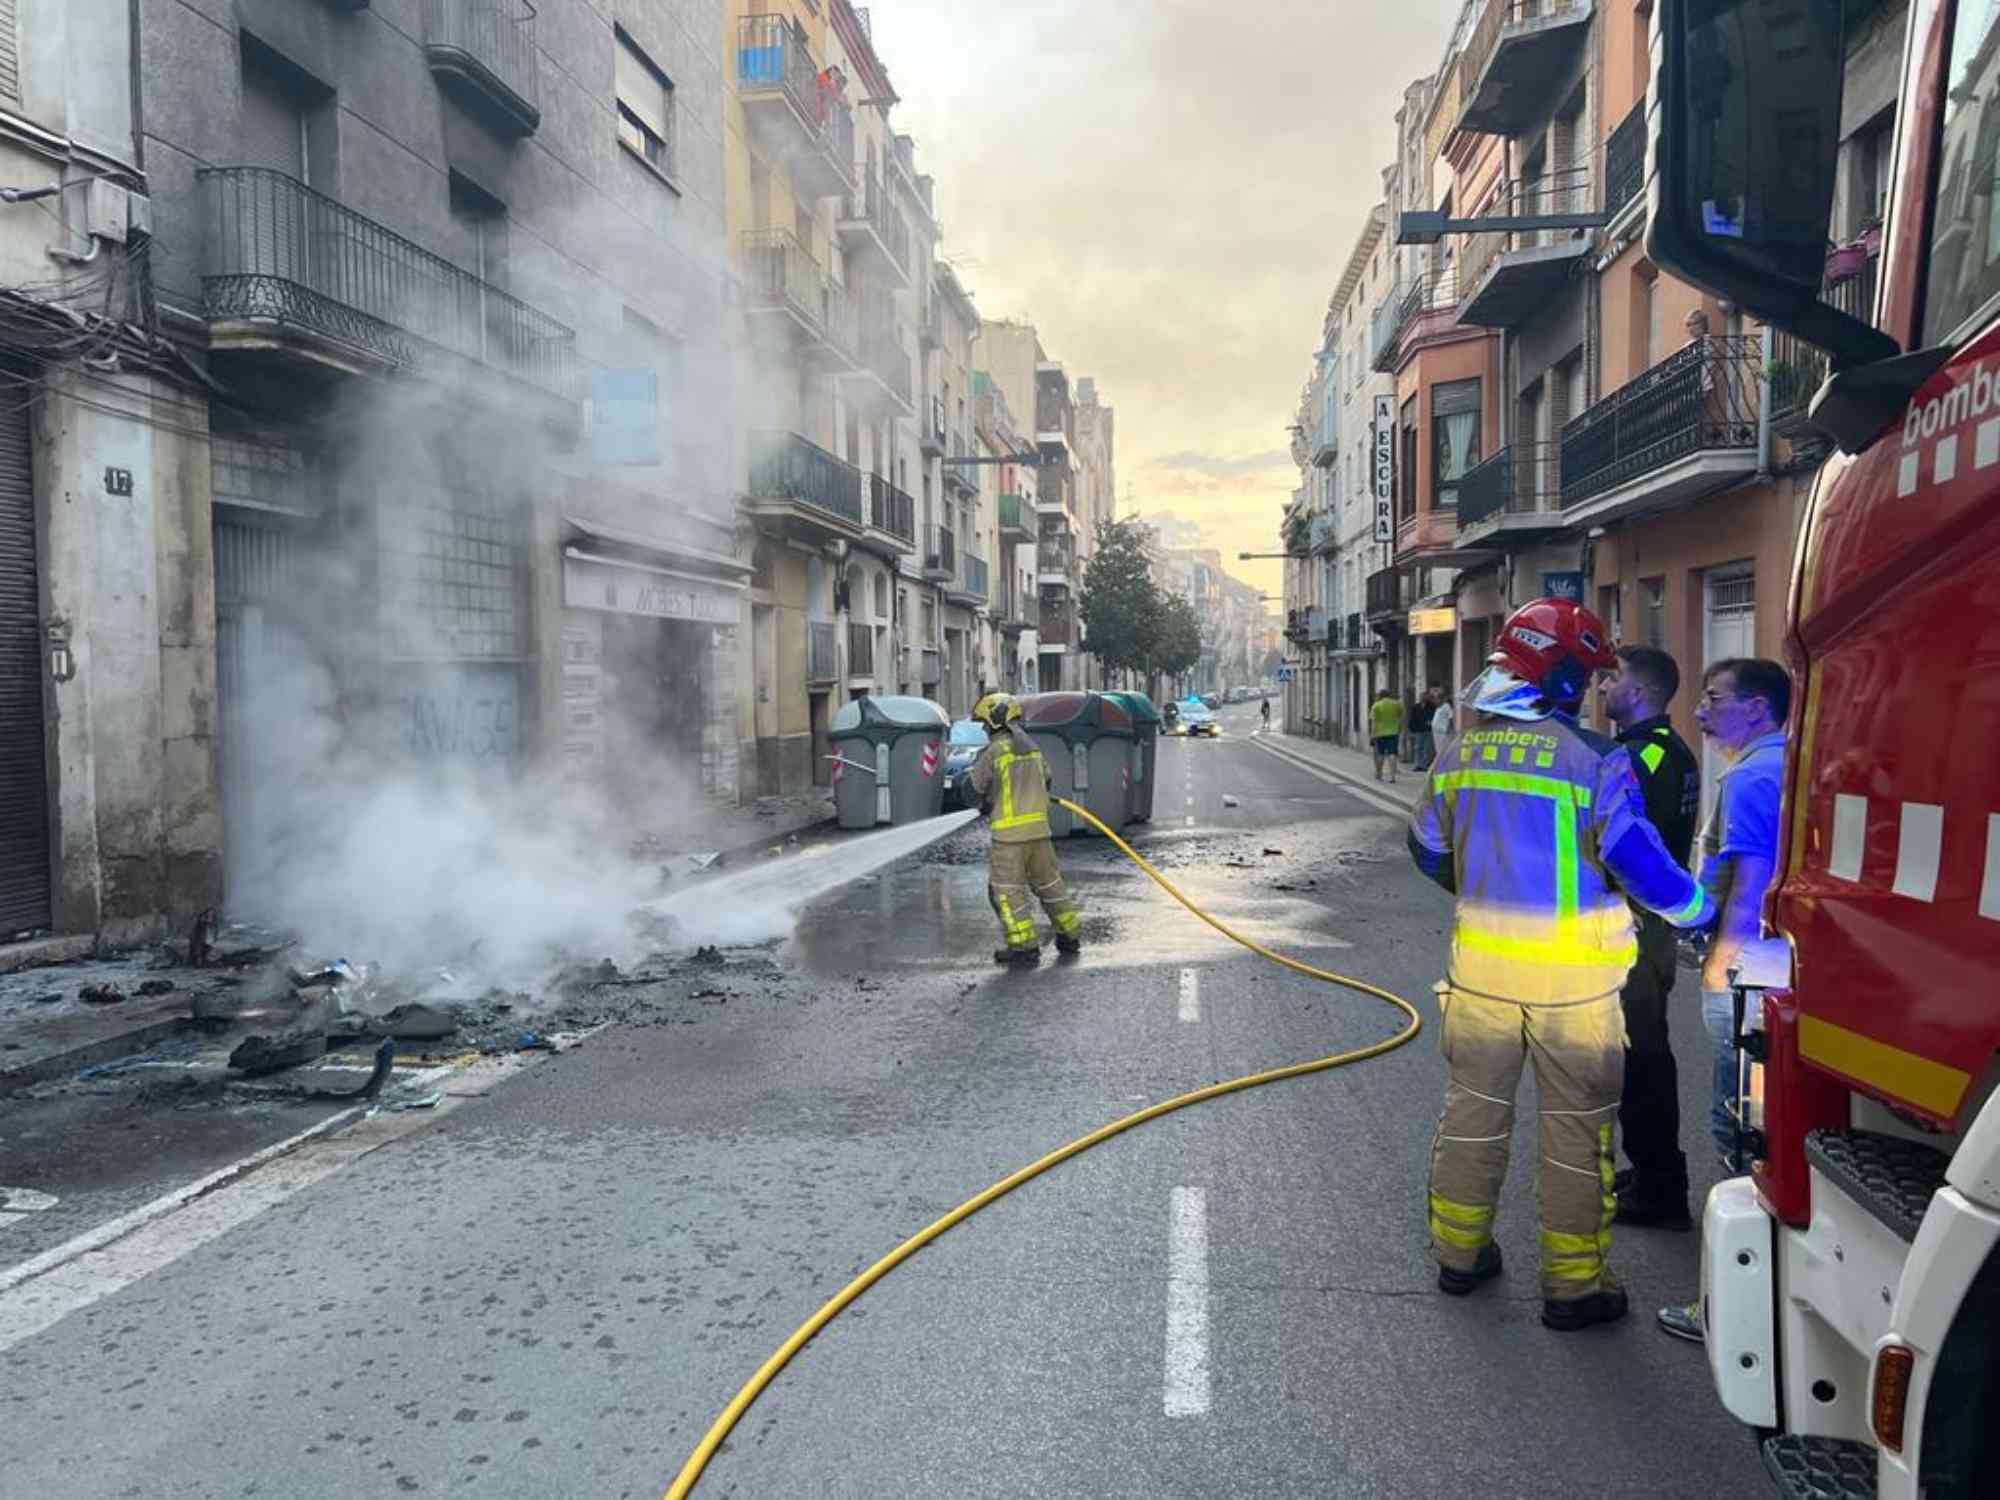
(1536, 826)
(1653, 1192)
(1012, 780)
(1742, 712)
(1422, 746)
(1385, 727)
(1441, 722)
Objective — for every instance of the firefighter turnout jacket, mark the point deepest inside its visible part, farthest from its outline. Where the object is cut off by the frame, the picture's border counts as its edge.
(1012, 780)
(1539, 830)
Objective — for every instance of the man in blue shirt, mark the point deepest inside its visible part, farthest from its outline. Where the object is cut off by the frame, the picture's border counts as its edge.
(1742, 712)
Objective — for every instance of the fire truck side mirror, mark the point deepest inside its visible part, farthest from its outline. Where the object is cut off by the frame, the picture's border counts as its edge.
(1744, 136)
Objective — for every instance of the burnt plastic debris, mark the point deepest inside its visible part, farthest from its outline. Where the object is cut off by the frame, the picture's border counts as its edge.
(259, 1054)
(100, 994)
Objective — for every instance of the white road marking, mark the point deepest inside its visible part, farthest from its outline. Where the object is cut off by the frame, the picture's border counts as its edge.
(1187, 1304)
(1347, 784)
(47, 1288)
(1190, 995)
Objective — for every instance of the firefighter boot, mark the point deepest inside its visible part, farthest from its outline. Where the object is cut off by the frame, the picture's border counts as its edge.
(1068, 944)
(1018, 958)
(1454, 1283)
(1571, 1314)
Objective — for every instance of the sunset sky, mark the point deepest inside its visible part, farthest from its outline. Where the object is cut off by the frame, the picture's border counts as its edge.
(1167, 190)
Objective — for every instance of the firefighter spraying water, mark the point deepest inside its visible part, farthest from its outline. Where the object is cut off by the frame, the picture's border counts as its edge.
(1012, 781)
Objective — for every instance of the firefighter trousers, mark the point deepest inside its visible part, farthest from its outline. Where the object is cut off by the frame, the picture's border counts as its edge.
(1015, 872)
(1579, 1055)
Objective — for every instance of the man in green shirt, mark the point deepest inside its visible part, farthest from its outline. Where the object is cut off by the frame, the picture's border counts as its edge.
(1385, 726)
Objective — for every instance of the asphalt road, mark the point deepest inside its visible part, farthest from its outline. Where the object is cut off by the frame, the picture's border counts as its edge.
(553, 1290)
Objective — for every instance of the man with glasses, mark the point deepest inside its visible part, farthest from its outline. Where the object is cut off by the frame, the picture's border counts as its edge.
(1742, 712)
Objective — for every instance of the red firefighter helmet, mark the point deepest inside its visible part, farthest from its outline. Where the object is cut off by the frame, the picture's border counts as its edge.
(1544, 660)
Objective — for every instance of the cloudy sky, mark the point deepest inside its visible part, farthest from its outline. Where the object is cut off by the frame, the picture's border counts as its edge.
(1168, 190)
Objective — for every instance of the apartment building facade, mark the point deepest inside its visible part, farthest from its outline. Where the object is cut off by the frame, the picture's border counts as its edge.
(1564, 418)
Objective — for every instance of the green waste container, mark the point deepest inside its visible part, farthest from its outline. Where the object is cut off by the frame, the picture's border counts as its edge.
(888, 761)
(1086, 738)
(1145, 753)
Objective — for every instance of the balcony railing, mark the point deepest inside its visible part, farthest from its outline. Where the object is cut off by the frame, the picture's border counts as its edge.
(934, 435)
(820, 663)
(860, 650)
(1520, 480)
(1388, 592)
(1352, 642)
(1564, 191)
(1015, 515)
(840, 321)
(781, 274)
(785, 466)
(1057, 626)
(774, 62)
(1383, 327)
(940, 554)
(278, 253)
(1701, 398)
(1055, 552)
(891, 510)
(972, 576)
(1490, 103)
(489, 47)
(1435, 291)
(1324, 532)
(1625, 160)
(869, 208)
(882, 349)
(1798, 368)
(961, 475)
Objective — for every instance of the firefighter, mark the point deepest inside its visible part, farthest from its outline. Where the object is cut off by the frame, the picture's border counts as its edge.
(1537, 826)
(1012, 781)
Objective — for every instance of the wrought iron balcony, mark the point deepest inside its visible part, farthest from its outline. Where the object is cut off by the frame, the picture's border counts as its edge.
(968, 585)
(483, 51)
(1510, 275)
(940, 555)
(1383, 327)
(1325, 442)
(1017, 522)
(963, 477)
(860, 650)
(1798, 368)
(1683, 428)
(282, 263)
(1055, 556)
(1516, 58)
(1426, 304)
(1390, 593)
(1518, 489)
(1352, 637)
(788, 474)
(891, 511)
(839, 346)
(783, 281)
(821, 662)
(1324, 532)
(791, 108)
(1057, 626)
(873, 231)
(1625, 160)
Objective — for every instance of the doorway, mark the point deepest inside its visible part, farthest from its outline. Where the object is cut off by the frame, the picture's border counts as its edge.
(1729, 629)
(24, 787)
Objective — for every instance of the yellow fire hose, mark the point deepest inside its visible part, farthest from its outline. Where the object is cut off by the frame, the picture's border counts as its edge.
(720, 1429)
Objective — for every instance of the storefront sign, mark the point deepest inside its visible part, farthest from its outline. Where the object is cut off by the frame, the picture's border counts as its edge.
(1385, 468)
(1433, 621)
(629, 589)
(1563, 586)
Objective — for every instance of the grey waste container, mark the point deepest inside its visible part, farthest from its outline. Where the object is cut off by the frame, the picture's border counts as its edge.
(1087, 740)
(888, 761)
(1145, 752)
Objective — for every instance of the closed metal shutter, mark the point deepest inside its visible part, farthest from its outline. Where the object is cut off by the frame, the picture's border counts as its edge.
(10, 55)
(24, 786)
(272, 134)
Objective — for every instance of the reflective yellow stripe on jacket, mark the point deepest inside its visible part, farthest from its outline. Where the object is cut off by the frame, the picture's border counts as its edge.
(1020, 790)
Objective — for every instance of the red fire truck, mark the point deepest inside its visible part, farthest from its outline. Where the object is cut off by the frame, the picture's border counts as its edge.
(1851, 1283)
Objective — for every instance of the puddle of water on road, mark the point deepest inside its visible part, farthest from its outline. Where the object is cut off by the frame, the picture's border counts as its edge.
(938, 916)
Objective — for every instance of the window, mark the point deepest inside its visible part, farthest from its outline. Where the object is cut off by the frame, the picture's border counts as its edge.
(1868, 165)
(645, 108)
(1653, 606)
(1965, 214)
(1454, 438)
(1406, 470)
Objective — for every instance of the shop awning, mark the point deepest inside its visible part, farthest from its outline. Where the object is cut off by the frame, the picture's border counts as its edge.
(623, 572)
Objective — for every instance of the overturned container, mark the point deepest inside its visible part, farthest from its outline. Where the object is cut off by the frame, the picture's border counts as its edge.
(1145, 753)
(1087, 739)
(888, 761)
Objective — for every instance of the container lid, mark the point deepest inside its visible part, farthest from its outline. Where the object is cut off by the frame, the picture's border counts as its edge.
(1138, 705)
(1049, 710)
(1113, 712)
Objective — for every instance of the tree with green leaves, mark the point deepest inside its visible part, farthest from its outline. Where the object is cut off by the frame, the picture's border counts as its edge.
(1177, 636)
(1119, 601)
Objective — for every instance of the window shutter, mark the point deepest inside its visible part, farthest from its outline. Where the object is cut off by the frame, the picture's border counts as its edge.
(10, 55)
(640, 89)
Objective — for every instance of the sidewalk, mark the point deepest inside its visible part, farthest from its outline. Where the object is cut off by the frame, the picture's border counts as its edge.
(1351, 765)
